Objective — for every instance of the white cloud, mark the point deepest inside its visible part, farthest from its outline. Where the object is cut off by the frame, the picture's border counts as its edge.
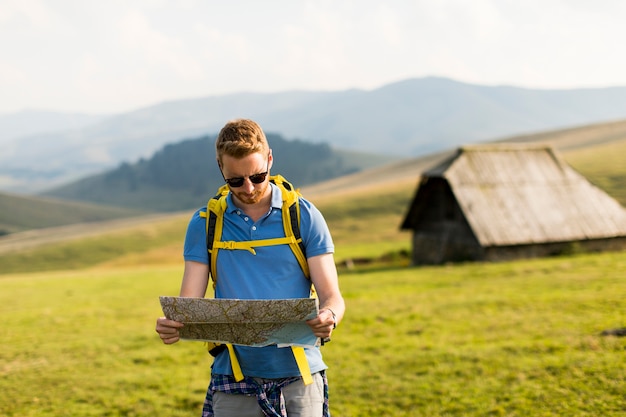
(118, 55)
(32, 12)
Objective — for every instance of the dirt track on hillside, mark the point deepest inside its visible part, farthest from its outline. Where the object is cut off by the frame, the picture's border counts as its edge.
(33, 238)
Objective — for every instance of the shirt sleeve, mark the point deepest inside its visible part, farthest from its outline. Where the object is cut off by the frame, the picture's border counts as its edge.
(315, 233)
(195, 248)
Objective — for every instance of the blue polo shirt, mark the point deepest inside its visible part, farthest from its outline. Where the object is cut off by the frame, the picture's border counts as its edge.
(272, 273)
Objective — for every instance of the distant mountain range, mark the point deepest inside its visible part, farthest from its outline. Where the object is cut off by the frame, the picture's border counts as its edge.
(33, 122)
(409, 118)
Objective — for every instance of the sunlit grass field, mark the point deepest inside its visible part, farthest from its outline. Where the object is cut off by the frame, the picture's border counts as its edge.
(509, 339)
(605, 167)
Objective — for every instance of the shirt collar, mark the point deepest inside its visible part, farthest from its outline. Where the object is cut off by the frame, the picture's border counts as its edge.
(277, 200)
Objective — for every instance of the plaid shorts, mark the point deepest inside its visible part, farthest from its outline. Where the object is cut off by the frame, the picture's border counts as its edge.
(268, 393)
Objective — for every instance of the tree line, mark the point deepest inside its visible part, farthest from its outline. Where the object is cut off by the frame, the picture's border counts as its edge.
(183, 174)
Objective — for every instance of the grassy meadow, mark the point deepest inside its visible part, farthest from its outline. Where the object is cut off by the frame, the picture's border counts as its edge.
(605, 167)
(510, 339)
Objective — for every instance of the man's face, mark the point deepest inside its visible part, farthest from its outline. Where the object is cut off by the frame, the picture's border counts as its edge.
(247, 171)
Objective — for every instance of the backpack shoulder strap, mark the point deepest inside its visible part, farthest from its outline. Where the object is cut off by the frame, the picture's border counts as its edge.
(291, 220)
(215, 209)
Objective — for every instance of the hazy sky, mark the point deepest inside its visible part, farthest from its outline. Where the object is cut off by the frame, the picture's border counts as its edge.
(110, 56)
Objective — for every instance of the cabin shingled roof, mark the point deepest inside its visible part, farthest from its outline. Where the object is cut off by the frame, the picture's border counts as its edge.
(525, 194)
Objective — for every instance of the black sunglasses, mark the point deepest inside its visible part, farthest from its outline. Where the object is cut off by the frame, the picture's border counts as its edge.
(254, 178)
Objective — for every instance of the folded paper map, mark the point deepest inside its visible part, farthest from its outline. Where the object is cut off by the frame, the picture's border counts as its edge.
(244, 322)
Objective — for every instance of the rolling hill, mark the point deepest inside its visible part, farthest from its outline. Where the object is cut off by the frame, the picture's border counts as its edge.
(596, 150)
(33, 122)
(18, 213)
(185, 174)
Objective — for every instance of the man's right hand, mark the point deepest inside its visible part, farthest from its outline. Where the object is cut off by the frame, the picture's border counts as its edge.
(168, 330)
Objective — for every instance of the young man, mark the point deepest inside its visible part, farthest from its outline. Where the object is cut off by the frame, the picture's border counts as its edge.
(272, 382)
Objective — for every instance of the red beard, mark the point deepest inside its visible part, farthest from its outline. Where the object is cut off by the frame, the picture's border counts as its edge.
(252, 198)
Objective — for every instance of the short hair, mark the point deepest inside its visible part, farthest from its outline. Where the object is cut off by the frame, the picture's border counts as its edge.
(240, 138)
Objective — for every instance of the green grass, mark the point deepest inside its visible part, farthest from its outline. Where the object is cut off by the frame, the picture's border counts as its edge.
(89, 251)
(511, 339)
(83, 344)
(507, 339)
(605, 167)
(368, 225)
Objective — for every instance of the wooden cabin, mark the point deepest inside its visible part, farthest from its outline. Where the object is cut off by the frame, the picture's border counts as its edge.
(509, 201)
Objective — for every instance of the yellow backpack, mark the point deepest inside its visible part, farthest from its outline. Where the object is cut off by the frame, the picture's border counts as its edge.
(291, 224)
